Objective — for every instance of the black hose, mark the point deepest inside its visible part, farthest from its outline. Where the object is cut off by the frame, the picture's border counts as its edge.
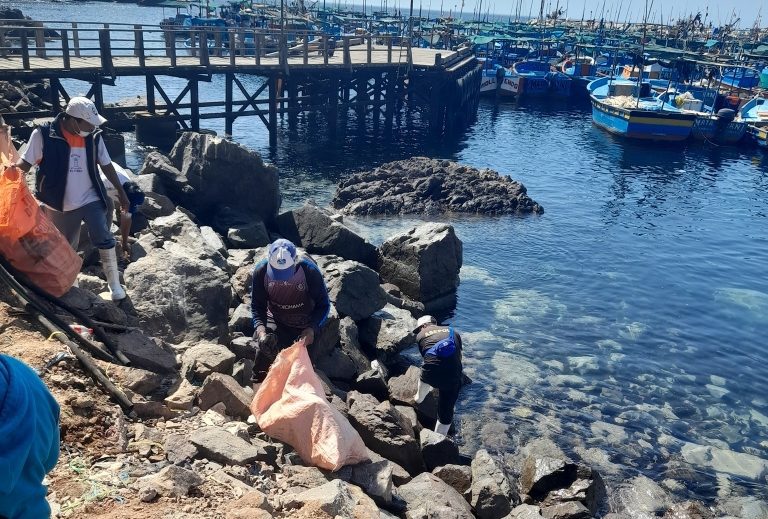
(21, 279)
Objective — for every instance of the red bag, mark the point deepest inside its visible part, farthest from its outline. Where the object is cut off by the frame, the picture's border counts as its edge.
(290, 405)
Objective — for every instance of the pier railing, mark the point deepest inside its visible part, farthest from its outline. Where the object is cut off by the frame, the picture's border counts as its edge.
(72, 45)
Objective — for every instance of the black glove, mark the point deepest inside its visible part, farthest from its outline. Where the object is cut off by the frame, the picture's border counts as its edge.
(270, 341)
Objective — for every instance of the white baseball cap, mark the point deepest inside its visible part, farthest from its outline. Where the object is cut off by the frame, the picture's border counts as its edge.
(424, 319)
(83, 108)
(282, 258)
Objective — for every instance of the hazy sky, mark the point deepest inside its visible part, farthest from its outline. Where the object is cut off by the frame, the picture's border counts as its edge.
(720, 11)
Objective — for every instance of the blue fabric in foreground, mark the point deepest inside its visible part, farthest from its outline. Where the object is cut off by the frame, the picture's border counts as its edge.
(29, 440)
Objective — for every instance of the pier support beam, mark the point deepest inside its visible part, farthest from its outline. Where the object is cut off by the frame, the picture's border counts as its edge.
(273, 89)
(194, 101)
(228, 94)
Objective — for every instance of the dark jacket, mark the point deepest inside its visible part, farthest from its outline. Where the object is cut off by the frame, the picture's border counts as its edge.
(301, 302)
(52, 172)
(439, 372)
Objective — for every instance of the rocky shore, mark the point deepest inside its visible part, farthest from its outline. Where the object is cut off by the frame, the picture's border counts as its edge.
(191, 448)
(421, 185)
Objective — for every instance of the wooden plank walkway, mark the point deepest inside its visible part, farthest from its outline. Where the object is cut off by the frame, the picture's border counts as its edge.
(128, 65)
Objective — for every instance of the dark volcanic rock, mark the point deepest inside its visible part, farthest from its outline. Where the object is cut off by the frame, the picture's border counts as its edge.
(420, 185)
(424, 262)
(203, 172)
(315, 230)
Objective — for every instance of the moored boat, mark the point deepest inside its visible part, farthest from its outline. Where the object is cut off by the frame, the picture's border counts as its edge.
(721, 127)
(499, 81)
(620, 107)
(755, 111)
(537, 79)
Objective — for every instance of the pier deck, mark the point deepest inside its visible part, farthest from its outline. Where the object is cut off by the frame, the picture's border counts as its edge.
(372, 74)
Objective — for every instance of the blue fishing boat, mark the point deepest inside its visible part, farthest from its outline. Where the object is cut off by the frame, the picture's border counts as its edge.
(764, 78)
(741, 77)
(755, 111)
(625, 108)
(721, 127)
(497, 80)
(537, 79)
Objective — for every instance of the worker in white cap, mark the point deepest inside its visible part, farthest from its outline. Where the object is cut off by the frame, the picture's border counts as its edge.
(441, 348)
(66, 152)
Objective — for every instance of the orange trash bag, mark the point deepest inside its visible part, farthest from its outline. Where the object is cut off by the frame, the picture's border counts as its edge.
(28, 239)
(291, 406)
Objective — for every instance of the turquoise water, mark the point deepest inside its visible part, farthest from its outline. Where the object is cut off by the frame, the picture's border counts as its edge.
(627, 322)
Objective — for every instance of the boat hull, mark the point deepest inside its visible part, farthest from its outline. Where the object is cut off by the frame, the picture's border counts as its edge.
(642, 124)
(490, 87)
(707, 128)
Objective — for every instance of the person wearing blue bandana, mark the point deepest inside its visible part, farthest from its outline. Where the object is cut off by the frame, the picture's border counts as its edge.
(441, 348)
(29, 440)
(289, 303)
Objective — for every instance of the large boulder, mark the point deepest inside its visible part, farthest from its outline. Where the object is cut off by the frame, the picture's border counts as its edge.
(437, 450)
(314, 229)
(180, 233)
(201, 360)
(403, 388)
(221, 388)
(424, 262)
(145, 352)
(457, 476)
(554, 480)
(493, 495)
(387, 332)
(427, 494)
(374, 477)
(179, 297)
(352, 287)
(206, 171)
(248, 235)
(220, 446)
(385, 431)
(336, 498)
(421, 185)
(347, 361)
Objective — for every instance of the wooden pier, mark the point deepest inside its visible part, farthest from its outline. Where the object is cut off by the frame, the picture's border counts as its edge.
(369, 74)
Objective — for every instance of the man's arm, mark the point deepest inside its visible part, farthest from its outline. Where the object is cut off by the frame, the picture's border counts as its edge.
(259, 296)
(111, 174)
(318, 293)
(23, 165)
(125, 228)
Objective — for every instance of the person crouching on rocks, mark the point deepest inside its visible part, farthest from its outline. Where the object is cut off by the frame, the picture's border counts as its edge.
(441, 348)
(289, 302)
(135, 197)
(66, 152)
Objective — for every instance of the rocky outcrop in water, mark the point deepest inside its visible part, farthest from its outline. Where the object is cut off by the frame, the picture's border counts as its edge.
(420, 185)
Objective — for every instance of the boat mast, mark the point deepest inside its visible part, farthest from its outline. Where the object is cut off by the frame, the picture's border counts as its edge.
(642, 54)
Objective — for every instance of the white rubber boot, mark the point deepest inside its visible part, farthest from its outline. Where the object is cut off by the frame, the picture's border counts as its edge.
(421, 392)
(109, 264)
(442, 428)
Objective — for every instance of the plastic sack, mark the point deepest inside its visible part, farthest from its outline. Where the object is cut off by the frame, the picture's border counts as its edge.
(290, 406)
(18, 208)
(28, 239)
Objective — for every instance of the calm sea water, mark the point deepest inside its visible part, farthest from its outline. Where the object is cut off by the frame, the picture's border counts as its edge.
(627, 323)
